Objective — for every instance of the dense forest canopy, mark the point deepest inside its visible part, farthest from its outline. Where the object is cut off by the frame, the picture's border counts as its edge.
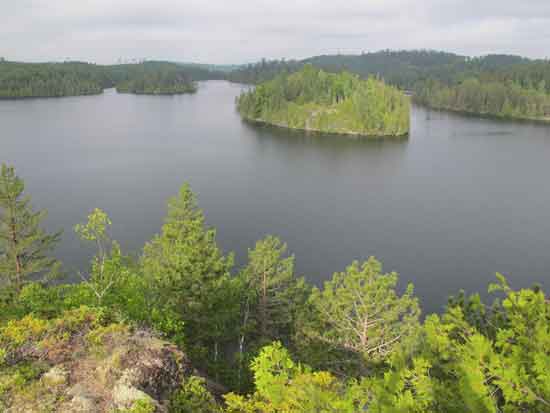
(508, 86)
(155, 79)
(506, 99)
(355, 344)
(263, 71)
(315, 100)
(400, 68)
(121, 73)
(404, 68)
(18, 80)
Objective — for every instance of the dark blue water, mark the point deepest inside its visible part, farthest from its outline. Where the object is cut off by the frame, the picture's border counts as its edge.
(460, 200)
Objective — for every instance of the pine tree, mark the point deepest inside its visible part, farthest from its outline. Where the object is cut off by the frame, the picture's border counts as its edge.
(360, 313)
(24, 244)
(272, 290)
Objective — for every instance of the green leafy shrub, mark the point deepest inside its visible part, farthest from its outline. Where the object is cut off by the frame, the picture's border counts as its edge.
(193, 397)
(96, 337)
(46, 335)
(140, 406)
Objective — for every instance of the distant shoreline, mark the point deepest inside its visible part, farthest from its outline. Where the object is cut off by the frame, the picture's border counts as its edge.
(314, 131)
(484, 115)
(190, 92)
(7, 98)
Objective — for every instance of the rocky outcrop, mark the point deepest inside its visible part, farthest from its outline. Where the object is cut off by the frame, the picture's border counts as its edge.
(92, 369)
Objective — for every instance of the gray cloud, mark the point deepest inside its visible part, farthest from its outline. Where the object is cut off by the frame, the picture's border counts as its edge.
(246, 30)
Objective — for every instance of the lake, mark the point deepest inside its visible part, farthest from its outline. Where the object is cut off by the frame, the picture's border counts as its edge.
(460, 200)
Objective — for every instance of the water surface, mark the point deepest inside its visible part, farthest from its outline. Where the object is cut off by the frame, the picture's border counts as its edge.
(460, 200)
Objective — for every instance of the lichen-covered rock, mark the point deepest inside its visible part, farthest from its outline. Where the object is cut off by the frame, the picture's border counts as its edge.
(126, 392)
(79, 398)
(56, 376)
(80, 363)
(80, 404)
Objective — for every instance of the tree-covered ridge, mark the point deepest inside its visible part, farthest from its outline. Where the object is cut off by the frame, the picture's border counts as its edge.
(20, 80)
(315, 100)
(263, 71)
(355, 344)
(401, 68)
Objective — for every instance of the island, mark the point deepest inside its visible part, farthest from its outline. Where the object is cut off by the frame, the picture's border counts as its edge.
(26, 80)
(497, 85)
(317, 101)
(500, 86)
(160, 81)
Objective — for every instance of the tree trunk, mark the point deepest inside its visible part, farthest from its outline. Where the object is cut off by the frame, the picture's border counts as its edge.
(18, 266)
(263, 305)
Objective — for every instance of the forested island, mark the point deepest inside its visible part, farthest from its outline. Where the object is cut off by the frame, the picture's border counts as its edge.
(163, 80)
(21, 80)
(314, 100)
(498, 85)
(180, 328)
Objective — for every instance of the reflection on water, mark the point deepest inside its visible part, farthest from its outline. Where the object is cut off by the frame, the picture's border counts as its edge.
(462, 198)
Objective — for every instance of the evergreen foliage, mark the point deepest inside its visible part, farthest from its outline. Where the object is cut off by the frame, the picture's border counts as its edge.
(157, 79)
(455, 368)
(360, 319)
(498, 85)
(20, 80)
(473, 357)
(506, 99)
(24, 245)
(263, 71)
(504, 86)
(271, 299)
(401, 68)
(188, 281)
(315, 100)
(273, 292)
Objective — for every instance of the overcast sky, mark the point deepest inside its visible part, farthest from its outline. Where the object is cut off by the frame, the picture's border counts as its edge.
(237, 31)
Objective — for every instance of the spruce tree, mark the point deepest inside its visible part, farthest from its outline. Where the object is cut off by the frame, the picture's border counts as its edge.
(24, 244)
(189, 280)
